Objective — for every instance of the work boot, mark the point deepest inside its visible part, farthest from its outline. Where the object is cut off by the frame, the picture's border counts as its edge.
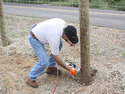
(32, 83)
(53, 70)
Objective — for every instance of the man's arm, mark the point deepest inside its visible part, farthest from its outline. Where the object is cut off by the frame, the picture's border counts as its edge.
(60, 62)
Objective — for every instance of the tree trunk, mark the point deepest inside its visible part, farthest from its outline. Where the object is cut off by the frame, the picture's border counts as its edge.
(84, 40)
(2, 25)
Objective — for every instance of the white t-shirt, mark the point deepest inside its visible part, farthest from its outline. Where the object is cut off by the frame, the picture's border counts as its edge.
(50, 32)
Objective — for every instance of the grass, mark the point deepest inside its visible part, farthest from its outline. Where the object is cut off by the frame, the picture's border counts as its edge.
(8, 31)
(122, 86)
(64, 4)
(5, 79)
(24, 33)
(46, 46)
(113, 48)
(96, 49)
(3, 90)
(122, 53)
(14, 35)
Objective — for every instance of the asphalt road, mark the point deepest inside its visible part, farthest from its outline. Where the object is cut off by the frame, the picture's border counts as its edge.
(104, 18)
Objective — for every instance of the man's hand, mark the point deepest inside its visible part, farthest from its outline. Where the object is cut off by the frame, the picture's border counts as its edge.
(69, 67)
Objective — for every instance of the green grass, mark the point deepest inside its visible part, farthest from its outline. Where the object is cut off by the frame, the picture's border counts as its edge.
(5, 79)
(14, 35)
(68, 4)
(122, 86)
(46, 46)
(122, 53)
(24, 33)
(113, 48)
(3, 90)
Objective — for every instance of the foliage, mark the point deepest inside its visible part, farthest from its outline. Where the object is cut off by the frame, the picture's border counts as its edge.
(113, 2)
(29, 1)
(95, 3)
(121, 5)
(72, 3)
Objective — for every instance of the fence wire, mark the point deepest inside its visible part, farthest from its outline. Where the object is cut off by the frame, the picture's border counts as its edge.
(100, 4)
(18, 26)
(106, 45)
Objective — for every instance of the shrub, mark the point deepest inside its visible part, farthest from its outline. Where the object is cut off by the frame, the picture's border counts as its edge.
(113, 2)
(121, 5)
(95, 4)
(71, 3)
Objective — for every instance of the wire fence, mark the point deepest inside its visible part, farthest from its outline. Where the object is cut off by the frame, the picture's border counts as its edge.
(99, 4)
(105, 44)
(17, 30)
(18, 27)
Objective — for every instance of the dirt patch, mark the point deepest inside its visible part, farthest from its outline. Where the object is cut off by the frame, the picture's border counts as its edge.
(107, 55)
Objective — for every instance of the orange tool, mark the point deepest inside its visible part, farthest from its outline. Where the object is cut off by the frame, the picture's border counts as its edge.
(75, 69)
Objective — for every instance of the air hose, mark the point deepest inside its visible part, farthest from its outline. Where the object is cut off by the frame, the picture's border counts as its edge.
(56, 82)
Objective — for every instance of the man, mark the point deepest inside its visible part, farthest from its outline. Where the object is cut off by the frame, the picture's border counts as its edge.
(49, 32)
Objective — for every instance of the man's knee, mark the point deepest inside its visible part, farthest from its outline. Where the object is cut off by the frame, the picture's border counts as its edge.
(44, 62)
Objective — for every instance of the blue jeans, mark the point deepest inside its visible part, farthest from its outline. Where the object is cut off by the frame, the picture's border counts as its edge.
(44, 60)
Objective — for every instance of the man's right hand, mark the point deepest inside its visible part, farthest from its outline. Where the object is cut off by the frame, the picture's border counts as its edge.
(69, 67)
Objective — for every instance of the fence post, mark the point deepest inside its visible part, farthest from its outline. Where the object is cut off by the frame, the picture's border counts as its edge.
(84, 40)
(2, 25)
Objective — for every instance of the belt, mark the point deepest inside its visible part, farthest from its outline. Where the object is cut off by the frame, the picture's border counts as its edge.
(33, 35)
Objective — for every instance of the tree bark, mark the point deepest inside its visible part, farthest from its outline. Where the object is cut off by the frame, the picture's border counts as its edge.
(2, 25)
(84, 40)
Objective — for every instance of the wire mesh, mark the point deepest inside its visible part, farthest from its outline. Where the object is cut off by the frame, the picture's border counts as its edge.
(100, 4)
(16, 28)
(106, 45)
(21, 27)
